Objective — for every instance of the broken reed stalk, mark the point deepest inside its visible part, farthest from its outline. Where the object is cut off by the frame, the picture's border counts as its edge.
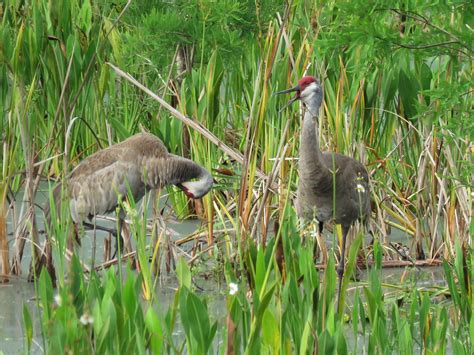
(244, 178)
(186, 120)
(4, 264)
(282, 148)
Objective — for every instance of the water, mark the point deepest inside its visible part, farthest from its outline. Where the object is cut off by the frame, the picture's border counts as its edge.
(14, 295)
(18, 293)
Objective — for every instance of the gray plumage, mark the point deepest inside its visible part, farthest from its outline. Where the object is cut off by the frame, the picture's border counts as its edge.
(331, 185)
(97, 184)
(135, 165)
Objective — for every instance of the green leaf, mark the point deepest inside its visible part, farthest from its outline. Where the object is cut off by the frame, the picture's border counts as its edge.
(355, 314)
(154, 326)
(46, 294)
(122, 131)
(260, 271)
(471, 330)
(352, 259)
(28, 327)
(183, 273)
(196, 323)
(130, 296)
(341, 344)
(84, 18)
(326, 343)
(306, 337)
(408, 90)
(424, 317)
(271, 332)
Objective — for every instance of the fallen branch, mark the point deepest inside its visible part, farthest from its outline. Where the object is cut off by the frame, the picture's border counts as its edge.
(109, 263)
(186, 120)
(395, 263)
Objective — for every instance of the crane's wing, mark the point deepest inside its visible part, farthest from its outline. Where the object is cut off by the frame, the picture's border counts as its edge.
(100, 191)
(96, 162)
(141, 145)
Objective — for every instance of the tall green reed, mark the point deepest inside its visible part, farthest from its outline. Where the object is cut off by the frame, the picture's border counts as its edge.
(407, 107)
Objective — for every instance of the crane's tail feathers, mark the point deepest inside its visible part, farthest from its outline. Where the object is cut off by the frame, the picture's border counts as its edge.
(54, 202)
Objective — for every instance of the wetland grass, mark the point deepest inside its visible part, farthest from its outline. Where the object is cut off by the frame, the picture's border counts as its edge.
(395, 99)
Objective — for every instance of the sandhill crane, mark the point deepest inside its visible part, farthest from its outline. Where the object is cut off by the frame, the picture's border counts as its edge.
(138, 163)
(331, 185)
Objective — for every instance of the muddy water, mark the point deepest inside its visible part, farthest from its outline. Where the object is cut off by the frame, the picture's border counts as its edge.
(14, 295)
(18, 293)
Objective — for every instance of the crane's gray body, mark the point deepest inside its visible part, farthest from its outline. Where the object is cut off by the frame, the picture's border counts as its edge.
(141, 162)
(100, 181)
(331, 185)
(343, 197)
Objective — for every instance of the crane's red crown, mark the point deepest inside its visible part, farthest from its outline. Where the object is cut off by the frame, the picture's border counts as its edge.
(305, 81)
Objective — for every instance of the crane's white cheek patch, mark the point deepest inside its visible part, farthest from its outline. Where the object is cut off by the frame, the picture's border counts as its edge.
(195, 188)
(360, 188)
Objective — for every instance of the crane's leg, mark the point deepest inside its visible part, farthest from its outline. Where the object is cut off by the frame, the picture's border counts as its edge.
(125, 236)
(74, 236)
(322, 244)
(317, 246)
(115, 232)
(91, 226)
(118, 239)
(342, 261)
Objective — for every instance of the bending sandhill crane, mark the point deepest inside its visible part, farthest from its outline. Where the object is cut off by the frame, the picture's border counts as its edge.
(139, 163)
(331, 185)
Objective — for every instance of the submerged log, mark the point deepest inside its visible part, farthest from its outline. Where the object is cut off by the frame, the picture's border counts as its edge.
(395, 263)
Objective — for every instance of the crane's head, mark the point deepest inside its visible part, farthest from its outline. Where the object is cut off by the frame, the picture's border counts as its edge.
(309, 91)
(199, 187)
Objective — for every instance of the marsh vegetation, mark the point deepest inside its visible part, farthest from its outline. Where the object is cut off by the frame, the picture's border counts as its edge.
(77, 76)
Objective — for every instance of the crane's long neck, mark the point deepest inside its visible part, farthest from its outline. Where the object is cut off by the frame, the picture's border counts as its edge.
(174, 170)
(311, 163)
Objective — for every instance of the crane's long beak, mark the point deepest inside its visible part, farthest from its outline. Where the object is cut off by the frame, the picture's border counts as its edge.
(185, 190)
(288, 103)
(296, 88)
(296, 97)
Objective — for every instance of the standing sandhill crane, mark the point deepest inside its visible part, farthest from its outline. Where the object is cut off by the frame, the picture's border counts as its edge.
(139, 163)
(331, 185)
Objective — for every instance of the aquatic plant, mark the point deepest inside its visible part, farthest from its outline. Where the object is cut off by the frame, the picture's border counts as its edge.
(397, 81)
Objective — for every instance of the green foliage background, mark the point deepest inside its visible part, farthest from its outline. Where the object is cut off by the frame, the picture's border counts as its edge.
(398, 84)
